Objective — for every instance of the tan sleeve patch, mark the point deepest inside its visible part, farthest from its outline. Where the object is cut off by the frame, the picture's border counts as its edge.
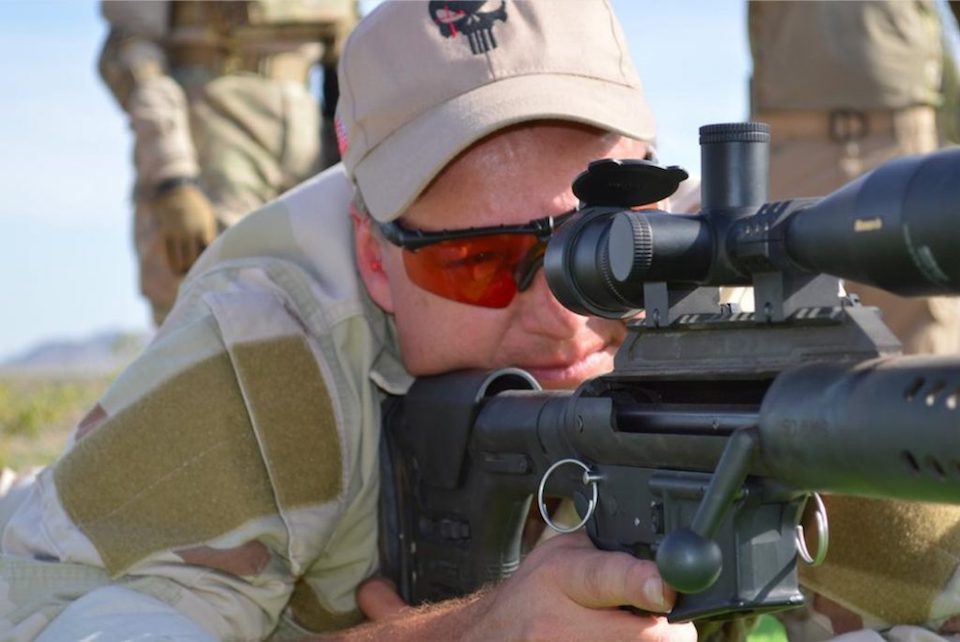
(308, 612)
(246, 560)
(177, 467)
(293, 415)
(887, 560)
(200, 455)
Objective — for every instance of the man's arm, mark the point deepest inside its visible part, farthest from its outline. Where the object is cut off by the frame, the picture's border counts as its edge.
(188, 494)
(134, 66)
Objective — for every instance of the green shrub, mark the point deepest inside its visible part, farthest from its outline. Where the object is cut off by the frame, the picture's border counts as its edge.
(768, 629)
(38, 414)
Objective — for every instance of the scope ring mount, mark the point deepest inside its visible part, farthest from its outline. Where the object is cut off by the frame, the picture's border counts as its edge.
(588, 479)
(823, 536)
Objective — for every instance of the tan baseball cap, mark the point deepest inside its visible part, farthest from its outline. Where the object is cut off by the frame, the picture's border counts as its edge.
(421, 81)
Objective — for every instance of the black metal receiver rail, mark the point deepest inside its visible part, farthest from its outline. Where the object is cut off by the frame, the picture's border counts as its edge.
(707, 421)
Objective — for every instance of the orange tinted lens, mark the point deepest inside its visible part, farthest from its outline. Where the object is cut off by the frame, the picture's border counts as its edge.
(477, 270)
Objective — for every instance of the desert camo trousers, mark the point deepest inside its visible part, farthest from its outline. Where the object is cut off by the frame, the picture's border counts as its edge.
(813, 153)
(255, 138)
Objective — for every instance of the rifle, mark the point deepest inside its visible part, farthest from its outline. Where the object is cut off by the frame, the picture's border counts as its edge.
(703, 445)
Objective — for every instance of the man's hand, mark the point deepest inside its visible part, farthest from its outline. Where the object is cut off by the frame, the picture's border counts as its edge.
(186, 221)
(379, 600)
(564, 590)
(568, 590)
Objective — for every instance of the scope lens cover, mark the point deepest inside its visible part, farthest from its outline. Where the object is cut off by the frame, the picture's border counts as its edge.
(627, 182)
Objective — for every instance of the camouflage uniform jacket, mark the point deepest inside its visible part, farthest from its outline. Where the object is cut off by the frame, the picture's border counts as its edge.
(225, 486)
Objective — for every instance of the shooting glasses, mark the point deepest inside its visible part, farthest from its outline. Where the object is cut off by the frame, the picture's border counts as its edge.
(484, 266)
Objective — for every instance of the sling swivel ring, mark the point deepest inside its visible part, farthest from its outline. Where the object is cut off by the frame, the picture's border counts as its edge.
(588, 478)
(823, 536)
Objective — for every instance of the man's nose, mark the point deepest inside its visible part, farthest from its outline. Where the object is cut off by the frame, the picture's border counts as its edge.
(543, 314)
(529, 266)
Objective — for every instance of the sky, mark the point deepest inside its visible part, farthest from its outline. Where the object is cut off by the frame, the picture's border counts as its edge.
(67, 267)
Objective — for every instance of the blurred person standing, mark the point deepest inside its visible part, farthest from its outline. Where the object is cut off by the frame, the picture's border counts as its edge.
(218, 98)
(846, 86)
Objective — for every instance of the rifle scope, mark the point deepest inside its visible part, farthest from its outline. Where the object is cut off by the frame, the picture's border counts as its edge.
(896, 228)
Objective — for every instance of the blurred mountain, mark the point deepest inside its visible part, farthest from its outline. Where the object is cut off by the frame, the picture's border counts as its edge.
(104, 353)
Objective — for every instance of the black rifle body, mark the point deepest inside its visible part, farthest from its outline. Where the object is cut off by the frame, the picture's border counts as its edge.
(889, 427)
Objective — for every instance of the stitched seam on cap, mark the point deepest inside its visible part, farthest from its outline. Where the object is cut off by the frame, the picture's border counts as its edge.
(616, 37)
(351, 139)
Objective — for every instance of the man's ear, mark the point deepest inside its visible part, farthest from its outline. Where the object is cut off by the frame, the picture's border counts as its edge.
(370, 261)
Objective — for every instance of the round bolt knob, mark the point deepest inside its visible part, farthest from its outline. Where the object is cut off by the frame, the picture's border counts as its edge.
(689, 562)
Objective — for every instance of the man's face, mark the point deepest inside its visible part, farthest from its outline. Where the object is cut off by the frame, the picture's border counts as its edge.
(510, 178)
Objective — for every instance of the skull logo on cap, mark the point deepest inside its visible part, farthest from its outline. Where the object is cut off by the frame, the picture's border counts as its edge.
(454, 17)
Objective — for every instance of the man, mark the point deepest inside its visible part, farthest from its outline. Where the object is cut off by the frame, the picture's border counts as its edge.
(218, 99)
(225, 487)
(846, 86)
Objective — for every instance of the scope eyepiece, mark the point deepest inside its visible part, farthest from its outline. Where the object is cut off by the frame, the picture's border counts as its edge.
(578, 271)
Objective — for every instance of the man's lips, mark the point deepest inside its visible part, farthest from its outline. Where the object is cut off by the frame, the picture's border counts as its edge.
(574, 371)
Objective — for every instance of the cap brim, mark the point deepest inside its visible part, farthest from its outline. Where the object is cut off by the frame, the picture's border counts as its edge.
(392, 175)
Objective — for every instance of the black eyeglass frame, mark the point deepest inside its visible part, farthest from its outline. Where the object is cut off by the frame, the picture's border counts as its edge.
(413, 240)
